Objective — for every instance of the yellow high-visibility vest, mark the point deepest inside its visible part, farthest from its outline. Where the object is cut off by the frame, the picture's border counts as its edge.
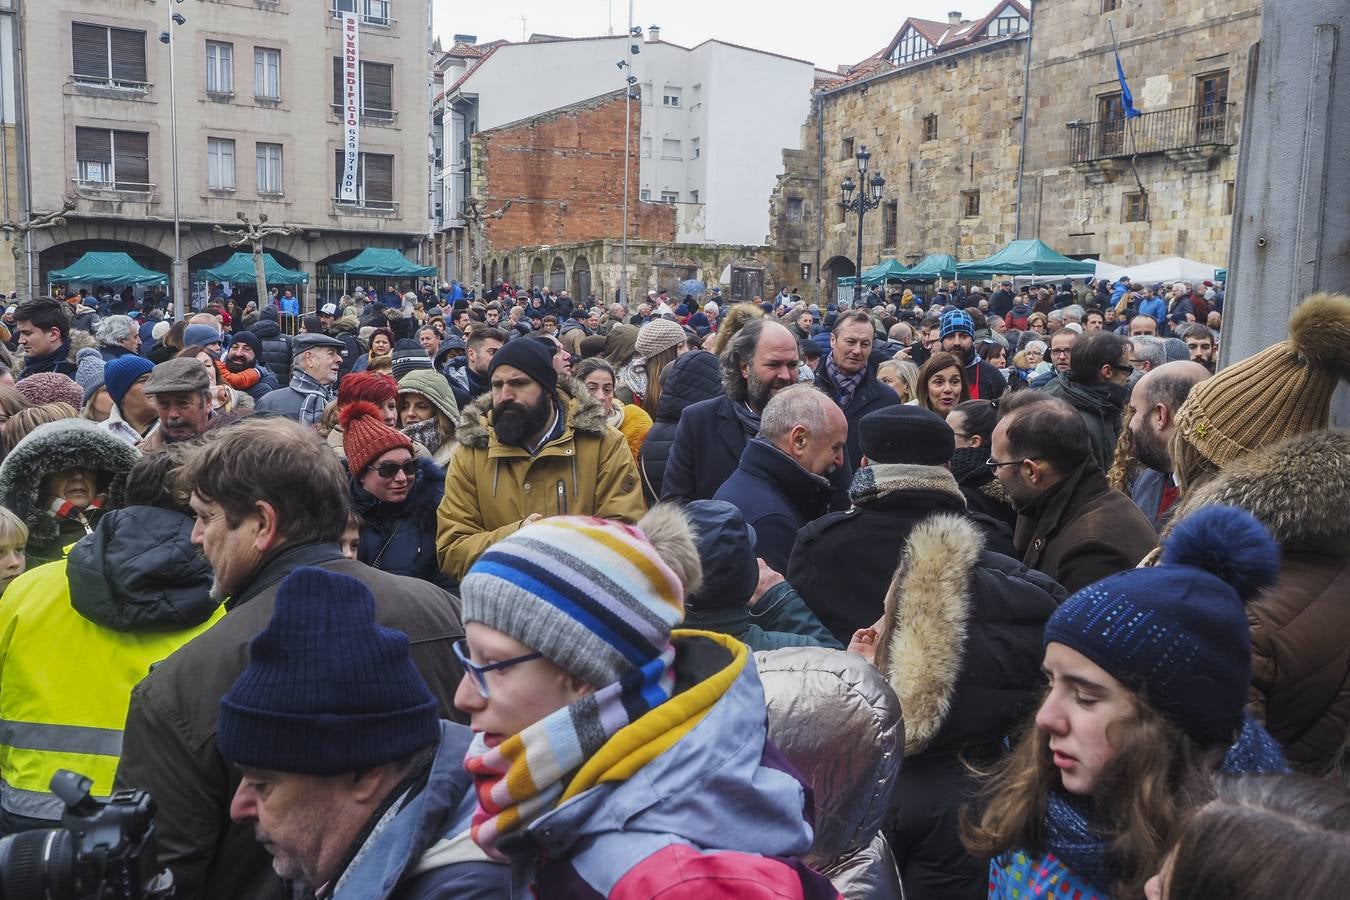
(65, 685)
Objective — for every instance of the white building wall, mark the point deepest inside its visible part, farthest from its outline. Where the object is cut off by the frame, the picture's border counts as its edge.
(739, 107)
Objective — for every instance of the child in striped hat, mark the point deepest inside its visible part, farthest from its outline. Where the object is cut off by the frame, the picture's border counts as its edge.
(605, 736)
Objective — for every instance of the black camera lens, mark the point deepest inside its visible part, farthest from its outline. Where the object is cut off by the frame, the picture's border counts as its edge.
(38, 864)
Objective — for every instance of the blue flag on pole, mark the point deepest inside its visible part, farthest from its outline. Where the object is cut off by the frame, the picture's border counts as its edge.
(1126, 98)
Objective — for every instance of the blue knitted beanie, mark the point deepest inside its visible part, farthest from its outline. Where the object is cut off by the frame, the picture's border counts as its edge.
(121, 373)
(1177, 633)
(326, 690)
(954, 320)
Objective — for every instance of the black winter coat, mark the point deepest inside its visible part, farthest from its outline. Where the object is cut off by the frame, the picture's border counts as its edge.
(777, 497)
(401, 538)
(689, 379)
(870, 535)
(972, 622)
(276, 349)
(870, 396)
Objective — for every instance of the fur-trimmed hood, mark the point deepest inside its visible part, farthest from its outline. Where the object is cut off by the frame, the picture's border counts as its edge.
(961, 636)
(582, 412)
(1278, 485)
(54, 447)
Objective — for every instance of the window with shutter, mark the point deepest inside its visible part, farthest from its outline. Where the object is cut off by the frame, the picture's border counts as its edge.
(89, 47)
(266, 73)
(378, 179)
(127, 52)
(220, 164)
(219, 68)
(93, 155)
(131, 160)
(377, 90)
(269, 168)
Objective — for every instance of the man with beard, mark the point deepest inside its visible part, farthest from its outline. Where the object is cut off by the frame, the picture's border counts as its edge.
(1071, 525)
(269, 497)
(243, 369)
(759, 361)
(1200, 342)
(537, 445)
(1155, 401)
(471, 381)
(957, 333)
(1095, 386)
(181, 392)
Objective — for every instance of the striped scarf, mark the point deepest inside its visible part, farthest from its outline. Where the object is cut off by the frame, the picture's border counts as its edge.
(844, 385)
(317, 396)
(529, 773)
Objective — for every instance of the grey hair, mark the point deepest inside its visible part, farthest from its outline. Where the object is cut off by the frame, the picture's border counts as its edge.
(1073, 313)
(114, 329)
(741, 349)
(801, 404)
(1150, 348)
(1055, 315)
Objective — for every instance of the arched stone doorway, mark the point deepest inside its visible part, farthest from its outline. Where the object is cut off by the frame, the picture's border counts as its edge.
(581, 278)
(492, 282)
(537, 273)
(835, 268)
(557, 276)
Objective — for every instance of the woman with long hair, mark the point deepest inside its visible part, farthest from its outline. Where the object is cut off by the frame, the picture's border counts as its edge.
(1148, 672)
(942, 383)
(632, 420)
(658, 343)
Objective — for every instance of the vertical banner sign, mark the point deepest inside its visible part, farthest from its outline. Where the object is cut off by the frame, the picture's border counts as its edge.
(351, 106)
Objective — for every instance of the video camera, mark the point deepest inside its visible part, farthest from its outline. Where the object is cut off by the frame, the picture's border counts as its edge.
(103, 851)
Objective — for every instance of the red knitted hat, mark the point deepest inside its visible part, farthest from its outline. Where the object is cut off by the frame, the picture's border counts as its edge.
(365, 436)
(372, 387)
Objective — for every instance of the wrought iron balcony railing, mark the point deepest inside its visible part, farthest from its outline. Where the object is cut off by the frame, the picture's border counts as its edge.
(1179, 128)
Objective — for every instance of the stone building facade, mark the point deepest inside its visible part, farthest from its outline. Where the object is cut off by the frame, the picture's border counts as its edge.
(943, 133)
(1071, 177)
(258, 129)
(1160, 184)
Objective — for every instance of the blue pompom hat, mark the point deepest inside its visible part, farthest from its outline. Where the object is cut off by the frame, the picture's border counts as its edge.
(326, 690)
(1177, 633)
(954, 320)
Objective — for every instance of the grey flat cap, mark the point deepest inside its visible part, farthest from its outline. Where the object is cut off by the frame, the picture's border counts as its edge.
(177, 376)
(302, 342)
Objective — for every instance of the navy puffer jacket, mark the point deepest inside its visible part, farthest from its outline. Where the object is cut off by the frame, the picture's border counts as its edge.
(693, 377)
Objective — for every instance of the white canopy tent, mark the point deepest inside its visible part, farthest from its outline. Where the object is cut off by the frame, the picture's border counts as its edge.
(1170, 269)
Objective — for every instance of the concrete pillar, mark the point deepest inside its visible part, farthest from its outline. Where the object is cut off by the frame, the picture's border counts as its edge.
(1291, 222)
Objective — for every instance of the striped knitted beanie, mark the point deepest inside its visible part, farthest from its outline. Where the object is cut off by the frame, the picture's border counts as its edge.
(590, 594)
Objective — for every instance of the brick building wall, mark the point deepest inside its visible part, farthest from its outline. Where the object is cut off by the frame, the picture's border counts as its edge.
(562, 174)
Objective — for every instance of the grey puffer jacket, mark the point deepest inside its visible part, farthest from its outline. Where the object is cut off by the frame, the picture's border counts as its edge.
(818, 701)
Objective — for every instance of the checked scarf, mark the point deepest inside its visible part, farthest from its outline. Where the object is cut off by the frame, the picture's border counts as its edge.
(317, 397)
(844, 385)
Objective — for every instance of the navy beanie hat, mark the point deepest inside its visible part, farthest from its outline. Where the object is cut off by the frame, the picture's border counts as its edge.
(726, 548)
(1177, 633)
(121, 373)
(326, 690)
(954, 320)
(534, 358)
(909, 435)
(252, 340)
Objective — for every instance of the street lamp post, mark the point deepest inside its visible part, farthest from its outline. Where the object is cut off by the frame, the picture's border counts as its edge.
(868, 197)
(179, 286)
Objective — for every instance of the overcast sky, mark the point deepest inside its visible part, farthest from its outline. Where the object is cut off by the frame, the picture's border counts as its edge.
(828, 34)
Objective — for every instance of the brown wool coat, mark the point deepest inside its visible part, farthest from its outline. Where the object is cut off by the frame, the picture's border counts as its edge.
(490, 487)
(1081, 531)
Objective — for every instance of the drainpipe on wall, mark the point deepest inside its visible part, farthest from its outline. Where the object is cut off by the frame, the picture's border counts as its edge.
(819, 105)
(1026, 97)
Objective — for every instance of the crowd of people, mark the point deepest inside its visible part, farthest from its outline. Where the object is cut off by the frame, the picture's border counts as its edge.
(495, 593)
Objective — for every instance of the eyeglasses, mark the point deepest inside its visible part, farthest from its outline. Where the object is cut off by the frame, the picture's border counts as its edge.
(387, 470)
(1126, 370)
(478, 672)
(994, 465)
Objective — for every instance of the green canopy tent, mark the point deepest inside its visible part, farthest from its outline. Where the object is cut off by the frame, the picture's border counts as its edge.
(932, 267)
(238, 269)
(889, 271)
(1026, 257)
(112, 269)
(380, 263)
